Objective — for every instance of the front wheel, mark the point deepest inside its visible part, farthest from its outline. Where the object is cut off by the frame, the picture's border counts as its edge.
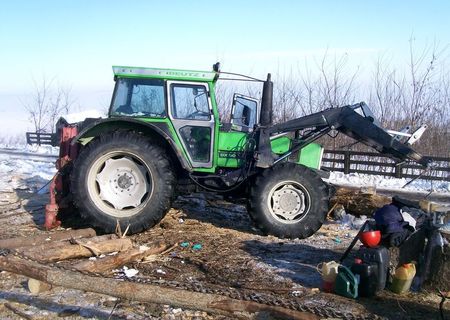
(122, 177)
(288, 201)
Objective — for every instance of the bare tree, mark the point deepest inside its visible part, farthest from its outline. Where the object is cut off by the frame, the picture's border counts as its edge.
(60, 103)
(38, 105)
(46, 103)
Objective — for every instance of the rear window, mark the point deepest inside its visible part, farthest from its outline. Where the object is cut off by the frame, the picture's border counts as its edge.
(139, 97)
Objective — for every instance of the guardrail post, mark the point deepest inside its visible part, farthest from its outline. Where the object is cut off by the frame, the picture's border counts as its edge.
(398, 171)
(347, 162)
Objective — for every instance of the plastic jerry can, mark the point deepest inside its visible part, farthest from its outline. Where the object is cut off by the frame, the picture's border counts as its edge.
(368, 277)
(403, 278)
(346, 283)
(380, 257)
(329, 271)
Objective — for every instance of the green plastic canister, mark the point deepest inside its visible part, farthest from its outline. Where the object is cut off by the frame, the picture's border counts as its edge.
(346, 283)
(403, 278)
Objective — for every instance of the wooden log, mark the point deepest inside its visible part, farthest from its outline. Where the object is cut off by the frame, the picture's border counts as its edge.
(146, 292)
(70, 251)
(55, 245)
(18, 242)
(19, 312)
(36, 286)
(122, 258)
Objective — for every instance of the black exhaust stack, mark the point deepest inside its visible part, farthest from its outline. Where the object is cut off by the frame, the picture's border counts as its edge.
(267, 102)
(264, 151)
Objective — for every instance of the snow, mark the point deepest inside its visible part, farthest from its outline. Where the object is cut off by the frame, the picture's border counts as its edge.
(34, 148)
(26, 171)
(386, 183)
(129, 273)
(80, 116)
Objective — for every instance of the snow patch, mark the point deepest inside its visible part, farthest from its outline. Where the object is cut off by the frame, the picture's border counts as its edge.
(81, 116)
(387, 183)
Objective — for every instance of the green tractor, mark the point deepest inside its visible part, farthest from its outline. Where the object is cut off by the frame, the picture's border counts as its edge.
(163, 134)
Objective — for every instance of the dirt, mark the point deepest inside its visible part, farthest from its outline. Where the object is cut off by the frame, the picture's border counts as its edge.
(230, 252)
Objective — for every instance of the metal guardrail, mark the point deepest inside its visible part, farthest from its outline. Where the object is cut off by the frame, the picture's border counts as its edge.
(41, 138)
(378, 164)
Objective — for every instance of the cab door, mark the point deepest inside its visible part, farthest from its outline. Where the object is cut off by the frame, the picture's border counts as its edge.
(244, 113)
(190, 111)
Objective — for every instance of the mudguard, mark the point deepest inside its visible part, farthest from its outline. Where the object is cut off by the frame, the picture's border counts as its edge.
(93, 127)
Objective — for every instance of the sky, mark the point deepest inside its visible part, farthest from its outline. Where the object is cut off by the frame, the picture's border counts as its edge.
(75, 43)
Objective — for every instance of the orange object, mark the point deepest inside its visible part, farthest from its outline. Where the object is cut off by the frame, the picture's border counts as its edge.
(370, 239)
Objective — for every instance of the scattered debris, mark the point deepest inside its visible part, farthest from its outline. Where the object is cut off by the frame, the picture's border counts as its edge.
(129, 273)
(184, 244)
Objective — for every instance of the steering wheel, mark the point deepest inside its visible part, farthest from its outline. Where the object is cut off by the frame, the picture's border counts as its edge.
(199, 113)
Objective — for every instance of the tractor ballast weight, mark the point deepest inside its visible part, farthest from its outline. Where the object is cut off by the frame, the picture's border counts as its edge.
(163, 136)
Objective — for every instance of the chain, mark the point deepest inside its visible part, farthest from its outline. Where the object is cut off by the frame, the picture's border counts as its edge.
(195, 286)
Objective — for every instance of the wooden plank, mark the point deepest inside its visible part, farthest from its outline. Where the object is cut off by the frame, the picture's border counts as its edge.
(373, 163)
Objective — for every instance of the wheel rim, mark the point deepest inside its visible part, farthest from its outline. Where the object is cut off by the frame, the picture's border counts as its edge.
(120, 183)
(289, 201)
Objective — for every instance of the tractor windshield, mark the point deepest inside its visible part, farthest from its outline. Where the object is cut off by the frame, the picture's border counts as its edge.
(139, 97)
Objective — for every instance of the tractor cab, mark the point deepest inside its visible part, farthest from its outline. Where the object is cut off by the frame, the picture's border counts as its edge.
(183, 104)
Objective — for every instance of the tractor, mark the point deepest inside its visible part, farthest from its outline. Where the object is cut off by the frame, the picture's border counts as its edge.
(163, 134)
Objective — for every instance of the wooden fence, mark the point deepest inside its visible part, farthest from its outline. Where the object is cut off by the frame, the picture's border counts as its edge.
(379, 164)
(41, 138)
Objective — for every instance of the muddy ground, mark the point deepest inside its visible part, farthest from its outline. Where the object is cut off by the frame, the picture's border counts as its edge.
(232, 254)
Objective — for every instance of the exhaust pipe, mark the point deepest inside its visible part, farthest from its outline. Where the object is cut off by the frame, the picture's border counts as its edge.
(267, 102)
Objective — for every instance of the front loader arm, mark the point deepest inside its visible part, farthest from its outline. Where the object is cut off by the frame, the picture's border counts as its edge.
(355, 121)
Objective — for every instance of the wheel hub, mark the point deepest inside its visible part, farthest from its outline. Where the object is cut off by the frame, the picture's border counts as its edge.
(125, 181)
(287, 202)
(122, 183)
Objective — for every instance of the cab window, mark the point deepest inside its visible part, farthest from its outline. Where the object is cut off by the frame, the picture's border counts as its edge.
(139, 97)
(244, 112)
(190, 101)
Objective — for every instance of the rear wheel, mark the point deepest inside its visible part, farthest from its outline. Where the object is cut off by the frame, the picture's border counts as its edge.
(288, 201)
(122, 177)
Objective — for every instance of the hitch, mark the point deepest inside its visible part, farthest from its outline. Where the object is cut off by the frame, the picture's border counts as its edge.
(67, 153)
